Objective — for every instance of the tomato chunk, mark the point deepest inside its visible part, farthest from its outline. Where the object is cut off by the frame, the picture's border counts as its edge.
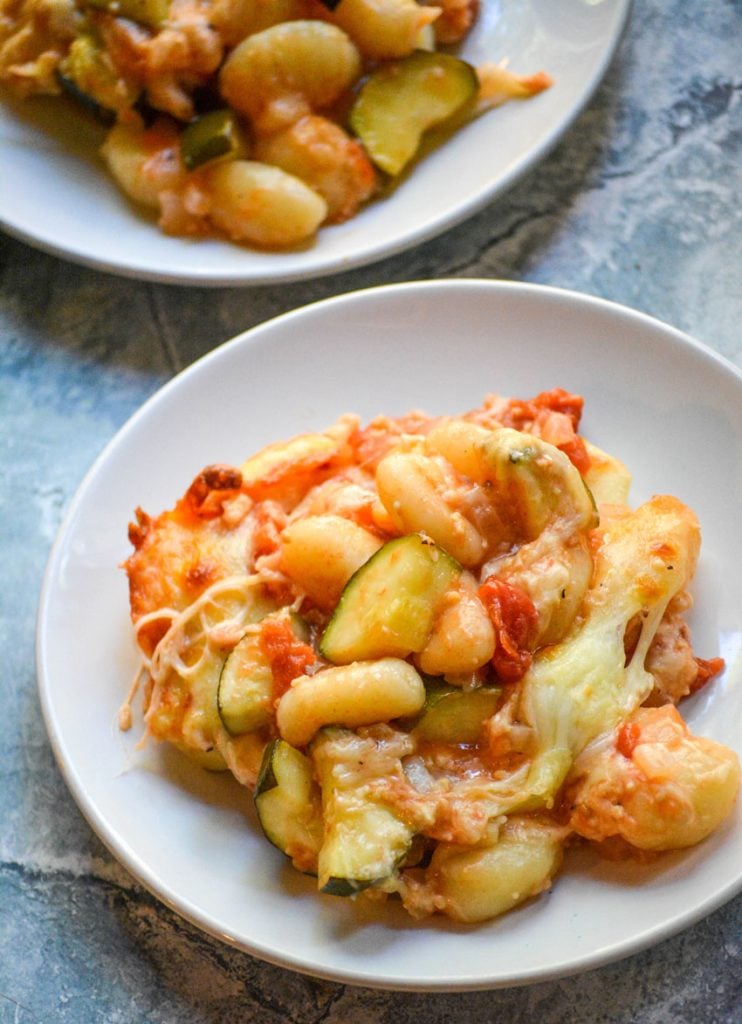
(289, 656)
(515, 619)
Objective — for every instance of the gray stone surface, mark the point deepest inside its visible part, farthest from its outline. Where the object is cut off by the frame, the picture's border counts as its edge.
(640, 204)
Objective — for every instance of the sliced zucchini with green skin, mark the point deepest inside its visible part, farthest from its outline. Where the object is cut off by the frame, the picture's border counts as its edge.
(403, 99)
(287, 801)
(245, 694)
(300, 627)
(72, 89)
(244, 697)
(364, 840)
(362, 849)
(388, 606)
(213, 136)
(87, 75)
(452, 715)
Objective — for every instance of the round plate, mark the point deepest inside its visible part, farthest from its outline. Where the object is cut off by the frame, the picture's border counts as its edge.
(668, 407)
(64, 201)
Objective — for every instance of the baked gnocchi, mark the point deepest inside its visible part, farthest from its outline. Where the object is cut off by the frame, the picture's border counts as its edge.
(259, 121)
(434, 649)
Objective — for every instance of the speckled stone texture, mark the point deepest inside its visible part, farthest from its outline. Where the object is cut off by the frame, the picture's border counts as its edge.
(640, 204)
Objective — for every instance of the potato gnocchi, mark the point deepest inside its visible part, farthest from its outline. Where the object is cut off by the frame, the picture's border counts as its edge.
(437, 650)
(256, 120)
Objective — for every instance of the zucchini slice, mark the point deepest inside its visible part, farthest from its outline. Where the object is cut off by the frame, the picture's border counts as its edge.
(245, 694)
(89, 103)
(452, 715)
(213, 136)
(364, 840)
(287, 802)
(88, 76)
(388, 606)
(403, 99)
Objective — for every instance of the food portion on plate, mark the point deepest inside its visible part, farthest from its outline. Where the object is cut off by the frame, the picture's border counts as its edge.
(255, 120)
(438, 650)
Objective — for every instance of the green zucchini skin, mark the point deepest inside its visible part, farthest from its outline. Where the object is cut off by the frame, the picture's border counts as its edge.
(266, 776)
(87, 75)
(363, 849)
(453, 715)
(212, 136)
(287, 803)
(245, 688)
(364, 840)
(245, 692)
(345, 887)
(102, 114)
(403, 99)
(388, 606)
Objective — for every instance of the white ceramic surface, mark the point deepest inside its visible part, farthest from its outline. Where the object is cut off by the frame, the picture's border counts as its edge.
(668, 407)
(57, 195)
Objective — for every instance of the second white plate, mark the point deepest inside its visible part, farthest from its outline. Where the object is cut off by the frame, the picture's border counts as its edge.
(63, 200)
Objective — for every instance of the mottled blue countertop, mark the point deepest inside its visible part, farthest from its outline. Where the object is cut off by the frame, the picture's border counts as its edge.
(640, 203)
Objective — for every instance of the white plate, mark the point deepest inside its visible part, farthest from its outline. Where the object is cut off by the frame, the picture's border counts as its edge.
(63, 201)
(667, 406)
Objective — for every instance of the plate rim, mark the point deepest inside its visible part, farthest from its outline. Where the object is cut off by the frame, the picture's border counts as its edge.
(119, 847)
(339, 263)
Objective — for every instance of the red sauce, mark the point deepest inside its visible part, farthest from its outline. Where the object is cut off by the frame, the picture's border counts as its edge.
(270, 521)
(515, 619)
(289, 657)
(554, 416)
(522, 411)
